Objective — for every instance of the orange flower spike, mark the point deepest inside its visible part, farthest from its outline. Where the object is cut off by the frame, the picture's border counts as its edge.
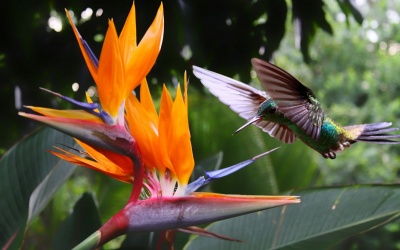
(127, 38)
(110, 80)
(147, 102)
(185, 87)
(90, 59)
(141, 59)
(180, 150)
(164, 128)
(143, 130)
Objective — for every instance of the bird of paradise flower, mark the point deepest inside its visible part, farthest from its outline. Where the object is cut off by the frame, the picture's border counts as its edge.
(124, 138)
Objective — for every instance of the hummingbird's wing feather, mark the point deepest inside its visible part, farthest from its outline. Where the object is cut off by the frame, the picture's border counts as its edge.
(277, 131)
(294, 100)
(243, 99)
(240, 97)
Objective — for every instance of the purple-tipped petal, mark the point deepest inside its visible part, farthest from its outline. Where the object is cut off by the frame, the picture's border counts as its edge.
(216, 174)
(89, 51)
(91, 60)
(88, 107)
(83, 105)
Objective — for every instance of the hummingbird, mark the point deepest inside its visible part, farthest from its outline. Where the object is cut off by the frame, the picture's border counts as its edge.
(287, 110)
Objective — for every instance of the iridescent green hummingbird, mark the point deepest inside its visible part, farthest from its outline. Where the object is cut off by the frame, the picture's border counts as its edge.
(288, 110)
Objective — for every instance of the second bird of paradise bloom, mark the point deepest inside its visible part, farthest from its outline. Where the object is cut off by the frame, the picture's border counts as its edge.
(128, 140)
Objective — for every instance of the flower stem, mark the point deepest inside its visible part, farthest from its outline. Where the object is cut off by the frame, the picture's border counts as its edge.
(90, 242)
(138, 175)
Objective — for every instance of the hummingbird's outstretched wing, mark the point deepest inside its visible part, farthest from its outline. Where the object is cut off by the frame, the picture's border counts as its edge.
(294, 100)
(243, 99)
(240, 97)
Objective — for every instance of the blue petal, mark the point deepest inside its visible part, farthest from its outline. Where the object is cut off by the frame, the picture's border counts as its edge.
(88, 107)
(90, 53)
(83, 105)
(216, 174)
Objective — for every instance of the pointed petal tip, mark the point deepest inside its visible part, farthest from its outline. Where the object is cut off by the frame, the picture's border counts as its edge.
(70, 20)
(143, 57)
(51, 92)
(265, 153)
(284, 198)
(28, 115)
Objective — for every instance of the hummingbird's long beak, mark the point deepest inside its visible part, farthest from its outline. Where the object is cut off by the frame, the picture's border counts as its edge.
(251, 121)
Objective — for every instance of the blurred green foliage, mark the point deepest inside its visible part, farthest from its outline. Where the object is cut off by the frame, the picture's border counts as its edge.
(353, 72)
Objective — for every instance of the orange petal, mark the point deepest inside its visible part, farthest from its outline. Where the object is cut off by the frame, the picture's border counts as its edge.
(147, 102)
(110, 84)
(164, 127)
(127, 38)
(106, 167)
(145, 133)
(180, 147)
(185, 87)
(86, 55)
(140, 60)
(120, 163)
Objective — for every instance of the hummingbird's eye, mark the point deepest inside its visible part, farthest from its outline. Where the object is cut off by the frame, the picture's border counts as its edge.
(271, 110)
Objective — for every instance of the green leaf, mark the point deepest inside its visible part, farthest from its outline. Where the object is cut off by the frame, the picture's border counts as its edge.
(82, 222)
(348, 8)
(307, 17)
(47, 188)
(324, 217)
(294, 166)
(112, 196)
(29, 176)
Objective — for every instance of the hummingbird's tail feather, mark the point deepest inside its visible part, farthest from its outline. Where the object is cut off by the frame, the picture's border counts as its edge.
(374, 133)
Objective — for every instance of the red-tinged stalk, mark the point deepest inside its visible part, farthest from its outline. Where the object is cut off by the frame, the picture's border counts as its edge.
(138, 174)
(116, 226)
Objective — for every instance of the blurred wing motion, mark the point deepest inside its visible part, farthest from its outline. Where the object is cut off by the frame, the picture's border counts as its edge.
(240, 97)
(244, 100)
(297, 102)
(374, 133)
